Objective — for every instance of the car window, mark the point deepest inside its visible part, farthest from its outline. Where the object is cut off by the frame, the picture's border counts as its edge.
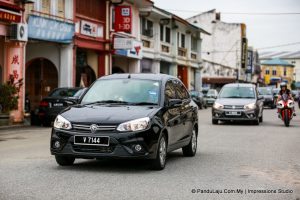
(169, 91)
(64, 92)
(125, 90)
(237, 92)
(182, 93)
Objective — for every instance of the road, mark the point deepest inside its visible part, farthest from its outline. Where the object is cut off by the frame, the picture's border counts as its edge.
(229, 157)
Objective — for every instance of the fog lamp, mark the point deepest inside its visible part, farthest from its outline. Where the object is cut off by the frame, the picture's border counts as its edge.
(57, 144)
(138, 147)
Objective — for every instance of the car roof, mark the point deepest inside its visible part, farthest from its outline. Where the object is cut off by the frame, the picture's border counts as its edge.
(239, 85)
(148, 76)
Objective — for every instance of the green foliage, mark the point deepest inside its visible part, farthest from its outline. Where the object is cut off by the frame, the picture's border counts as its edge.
(293, 85)
(9, 94)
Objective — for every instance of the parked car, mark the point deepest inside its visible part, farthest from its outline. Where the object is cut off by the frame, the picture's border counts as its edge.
(211, 96)
(128, 116)
(275, 92)
(198, 98)
(269, 99)
(238, 102)
(56, 101)
(295, 94)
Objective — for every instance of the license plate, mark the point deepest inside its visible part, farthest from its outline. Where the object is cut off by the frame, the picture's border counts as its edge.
(58, 104)
(233, 113)
(91, 140)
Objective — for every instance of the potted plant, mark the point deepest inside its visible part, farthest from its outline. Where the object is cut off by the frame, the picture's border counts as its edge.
(9, 95)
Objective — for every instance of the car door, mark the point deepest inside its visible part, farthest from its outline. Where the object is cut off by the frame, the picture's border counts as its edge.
(186, 111)
(259, 103)
(171, 116)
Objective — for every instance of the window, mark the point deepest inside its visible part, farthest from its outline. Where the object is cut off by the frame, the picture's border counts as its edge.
(45, 6)
(181, 40)
(182, 93)
(147, 27)
(92, 8)
(169, 91)
(165, 34)
(60, 8)
(284, 72)
(274, 72)
(267, 71)
(194, 44)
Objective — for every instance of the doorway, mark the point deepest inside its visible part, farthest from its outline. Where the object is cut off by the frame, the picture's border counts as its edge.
(40, 79)
(182, 72)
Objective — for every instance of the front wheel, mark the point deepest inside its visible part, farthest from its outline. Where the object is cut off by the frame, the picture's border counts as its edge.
(159, 162)
(64, 160)
(261, 119)
(256, 122)
(191, 149)
(215, 121)
(286, 118)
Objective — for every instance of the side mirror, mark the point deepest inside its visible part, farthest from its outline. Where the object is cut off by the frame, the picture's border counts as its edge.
(173, 103)
(72, 101)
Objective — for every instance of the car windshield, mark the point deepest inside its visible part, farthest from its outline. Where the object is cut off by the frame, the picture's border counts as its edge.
(264, 91)
(237, 92)
(211, 93)
(123, 91)
(194, 93)
(64, 92)
(80, 92)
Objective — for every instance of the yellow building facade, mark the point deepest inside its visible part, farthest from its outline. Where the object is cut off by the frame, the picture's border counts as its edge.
(276, 71)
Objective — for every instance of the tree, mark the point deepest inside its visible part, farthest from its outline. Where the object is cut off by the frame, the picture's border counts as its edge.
(9, 94)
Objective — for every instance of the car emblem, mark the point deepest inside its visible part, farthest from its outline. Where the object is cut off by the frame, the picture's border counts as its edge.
(93, 128)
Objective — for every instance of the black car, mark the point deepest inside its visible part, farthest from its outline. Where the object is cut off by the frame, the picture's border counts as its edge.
(198, 98)
(269, 99)
(128, 116)
(238, 102)
(56, 101)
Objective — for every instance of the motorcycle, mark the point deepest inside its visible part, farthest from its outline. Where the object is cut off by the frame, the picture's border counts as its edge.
(285, 109)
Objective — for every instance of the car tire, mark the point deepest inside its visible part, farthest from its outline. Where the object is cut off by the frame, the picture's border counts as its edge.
(215, 121)
(191, 149)
(256, 122)
(159, 162)
(64, 160)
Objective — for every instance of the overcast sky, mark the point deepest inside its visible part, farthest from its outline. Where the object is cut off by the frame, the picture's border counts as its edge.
(262, 30)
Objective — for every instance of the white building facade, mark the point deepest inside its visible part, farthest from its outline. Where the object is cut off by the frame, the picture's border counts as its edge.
(224, 53)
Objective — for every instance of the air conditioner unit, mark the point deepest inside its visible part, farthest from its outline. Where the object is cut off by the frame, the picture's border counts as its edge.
(19, 32)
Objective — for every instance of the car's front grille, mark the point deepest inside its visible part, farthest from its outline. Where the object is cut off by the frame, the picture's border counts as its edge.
(87, 128)
(233, 107)
(93, 149)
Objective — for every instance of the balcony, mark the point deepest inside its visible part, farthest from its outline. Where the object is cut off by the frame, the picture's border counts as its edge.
(182, 51)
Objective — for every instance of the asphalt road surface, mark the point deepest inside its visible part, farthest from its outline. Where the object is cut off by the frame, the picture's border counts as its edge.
(234, 161)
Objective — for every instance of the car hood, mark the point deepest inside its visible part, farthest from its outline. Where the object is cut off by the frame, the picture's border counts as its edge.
(237, 102)
(107, 114)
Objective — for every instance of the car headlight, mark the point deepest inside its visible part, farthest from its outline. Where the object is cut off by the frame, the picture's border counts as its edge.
(250, 106)
(62, 123)
(218, 106)
(134, 125)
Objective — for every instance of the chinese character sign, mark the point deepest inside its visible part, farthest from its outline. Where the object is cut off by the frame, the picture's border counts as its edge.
(123, 19)
(15, 63)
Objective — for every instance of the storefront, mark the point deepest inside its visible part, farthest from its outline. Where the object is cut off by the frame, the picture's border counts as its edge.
(49, 57)
(12, 49)
(91, 49)
(127, 56)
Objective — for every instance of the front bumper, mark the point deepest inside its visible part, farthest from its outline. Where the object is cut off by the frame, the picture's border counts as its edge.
(121, 145)
(242, 115)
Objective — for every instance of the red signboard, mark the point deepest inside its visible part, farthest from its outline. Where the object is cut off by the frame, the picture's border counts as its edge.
(123, 19)
(9, 16)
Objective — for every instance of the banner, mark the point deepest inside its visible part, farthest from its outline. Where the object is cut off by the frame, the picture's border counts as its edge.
(123, 19)
(50, 30)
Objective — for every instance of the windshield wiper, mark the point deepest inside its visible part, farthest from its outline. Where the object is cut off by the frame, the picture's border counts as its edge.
(143, 103)
(232, 97)
(107, 101)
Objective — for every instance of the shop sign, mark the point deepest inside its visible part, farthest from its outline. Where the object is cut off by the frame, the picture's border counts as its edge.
(123, 43)
(91, 29)
(134, 52)
(244, 53)
(123, 19)
(249, 62)
(10, 16)
(50, 30)
(15, 63)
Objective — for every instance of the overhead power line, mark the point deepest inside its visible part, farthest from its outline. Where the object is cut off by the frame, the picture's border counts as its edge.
(241, 13)
(261, 48)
